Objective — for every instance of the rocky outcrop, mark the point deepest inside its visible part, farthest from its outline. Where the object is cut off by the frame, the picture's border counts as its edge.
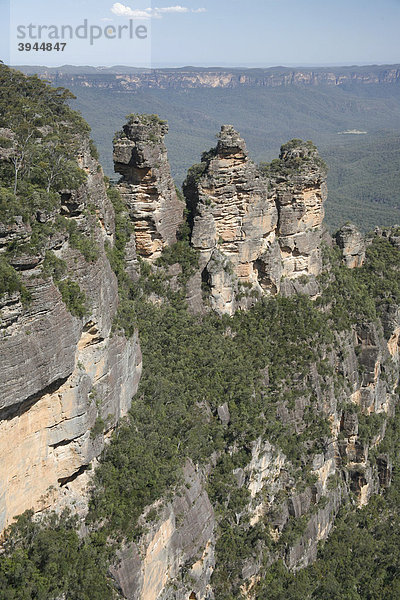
(373, 394)
(303, 514)
(146, 186)
(256, 234)
(352, 244)
(174, 560)
(299, 183)
(233, 219)
(65, 380)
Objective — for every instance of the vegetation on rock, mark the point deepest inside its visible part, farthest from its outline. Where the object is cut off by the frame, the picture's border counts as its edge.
(192, 366)
(274, 368)
(10, 281)
(39, 143)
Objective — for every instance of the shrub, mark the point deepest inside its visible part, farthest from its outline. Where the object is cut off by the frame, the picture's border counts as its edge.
(98, 428)
(10, 281)
(53, 266)
(73, 297)
(87, 246)
(93, 150)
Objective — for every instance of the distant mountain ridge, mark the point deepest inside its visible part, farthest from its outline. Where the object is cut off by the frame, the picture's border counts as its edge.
(131, 78)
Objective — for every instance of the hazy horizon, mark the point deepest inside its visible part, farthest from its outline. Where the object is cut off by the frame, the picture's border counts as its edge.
(217, 65)
(228, 33)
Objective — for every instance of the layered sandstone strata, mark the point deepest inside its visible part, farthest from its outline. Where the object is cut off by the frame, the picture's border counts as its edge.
(175, 558)
(352, 244)
(254, 230)
(65, 380)
(146, 186)
(299, 186)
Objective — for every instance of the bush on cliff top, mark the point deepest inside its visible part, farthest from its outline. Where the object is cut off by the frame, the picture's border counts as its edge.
(145, 119)
(39, 149)
(285, 166)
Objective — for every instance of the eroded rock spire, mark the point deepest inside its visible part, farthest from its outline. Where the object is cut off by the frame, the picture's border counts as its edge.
(258, 231)
(147, 187)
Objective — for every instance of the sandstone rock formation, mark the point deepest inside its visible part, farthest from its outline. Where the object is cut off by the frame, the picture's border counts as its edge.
(146, 186)
(65, 381)
(176, 557)
(367, 359)
(352, 244)
(254, 231)
(299, 183)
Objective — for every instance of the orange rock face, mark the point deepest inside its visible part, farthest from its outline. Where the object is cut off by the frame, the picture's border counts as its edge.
(252, 230)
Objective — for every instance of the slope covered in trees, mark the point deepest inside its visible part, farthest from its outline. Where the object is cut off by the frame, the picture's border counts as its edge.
(274, 367)
(189, 362)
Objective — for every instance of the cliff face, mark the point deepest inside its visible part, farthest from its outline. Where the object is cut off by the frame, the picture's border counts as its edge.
(344, 466)
(260, 233)
(300, 191)
(255, 233)
(176, 557)
(65, 380)
(352, 244)
(223, 78)
(147, 187)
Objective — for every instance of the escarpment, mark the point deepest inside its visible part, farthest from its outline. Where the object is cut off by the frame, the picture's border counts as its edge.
(146, 185)
(191, 77)
(315, 425)
(258, 233)
(176, 556)
(66, 378)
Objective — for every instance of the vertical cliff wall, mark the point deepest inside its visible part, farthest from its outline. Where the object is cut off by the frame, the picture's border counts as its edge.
(352, 244)
(282, 447)
(260, 233)
(65, 380)
(176, 556)
(339, 407)
(298, 180)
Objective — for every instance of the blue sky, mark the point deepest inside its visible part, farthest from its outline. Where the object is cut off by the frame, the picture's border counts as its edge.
(215, 32)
